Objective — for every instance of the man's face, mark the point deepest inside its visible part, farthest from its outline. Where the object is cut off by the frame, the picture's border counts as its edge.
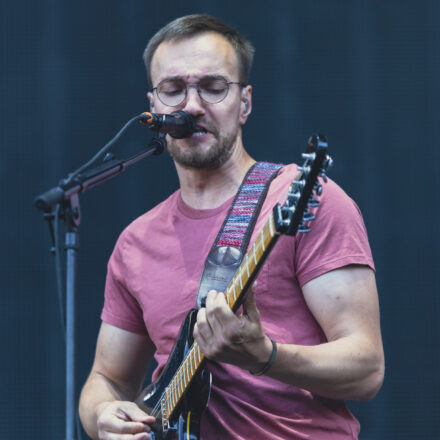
(218, 125)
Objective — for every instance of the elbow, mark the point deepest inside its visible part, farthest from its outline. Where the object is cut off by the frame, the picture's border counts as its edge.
(374, 380)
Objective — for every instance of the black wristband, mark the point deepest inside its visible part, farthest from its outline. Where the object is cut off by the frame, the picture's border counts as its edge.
(269, 362)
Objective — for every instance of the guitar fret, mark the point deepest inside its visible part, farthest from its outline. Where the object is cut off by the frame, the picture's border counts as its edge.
(229, 297)
(247, 265)
(187, 372)
(241, 281)
(271, 227)
(168, 403)
(255, 257)
(165, 400)
(182, 381)
(262, 240)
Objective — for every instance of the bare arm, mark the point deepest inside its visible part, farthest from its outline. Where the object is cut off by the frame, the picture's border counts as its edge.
(121, 361)
(350, 366)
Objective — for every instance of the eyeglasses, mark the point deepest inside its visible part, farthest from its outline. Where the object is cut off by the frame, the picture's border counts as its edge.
(173, 92)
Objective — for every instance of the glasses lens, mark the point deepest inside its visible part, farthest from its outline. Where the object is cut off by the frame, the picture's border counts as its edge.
(171, 92)
(213, 90)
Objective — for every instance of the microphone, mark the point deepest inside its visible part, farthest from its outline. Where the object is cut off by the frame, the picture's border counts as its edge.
(178, 124)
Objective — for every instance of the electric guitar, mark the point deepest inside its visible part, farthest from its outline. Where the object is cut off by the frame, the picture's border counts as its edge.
(178, 397)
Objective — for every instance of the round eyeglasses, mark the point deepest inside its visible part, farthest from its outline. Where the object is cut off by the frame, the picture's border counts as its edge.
(172, 92)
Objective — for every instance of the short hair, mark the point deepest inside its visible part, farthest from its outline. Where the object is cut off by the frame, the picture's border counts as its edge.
(190, 25)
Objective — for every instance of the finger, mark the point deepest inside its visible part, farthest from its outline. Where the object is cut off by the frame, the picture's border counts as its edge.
(113, 436)
(202, 328)
(250, 309)
(215, 308)
(134, 413)
(122, 427)
(218, 312)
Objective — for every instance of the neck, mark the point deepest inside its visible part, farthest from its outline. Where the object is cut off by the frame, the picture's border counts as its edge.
(207, 189)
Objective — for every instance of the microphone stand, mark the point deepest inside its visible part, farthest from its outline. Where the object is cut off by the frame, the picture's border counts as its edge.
(66, 194)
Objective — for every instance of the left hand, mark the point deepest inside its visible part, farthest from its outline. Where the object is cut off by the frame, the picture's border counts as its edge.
(225, 337)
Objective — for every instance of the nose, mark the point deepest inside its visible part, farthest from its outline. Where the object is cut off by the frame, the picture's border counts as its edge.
(193, 104)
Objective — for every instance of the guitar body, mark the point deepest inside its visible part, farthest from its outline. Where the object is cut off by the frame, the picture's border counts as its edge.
(186, 424)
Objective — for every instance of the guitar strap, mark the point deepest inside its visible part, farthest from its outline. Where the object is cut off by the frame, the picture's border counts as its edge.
(230, 245)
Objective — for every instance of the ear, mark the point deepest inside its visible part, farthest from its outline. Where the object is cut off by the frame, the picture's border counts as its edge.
(246, 104)
(150, 98)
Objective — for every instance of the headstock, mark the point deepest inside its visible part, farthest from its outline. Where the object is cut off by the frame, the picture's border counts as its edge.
(294, 214)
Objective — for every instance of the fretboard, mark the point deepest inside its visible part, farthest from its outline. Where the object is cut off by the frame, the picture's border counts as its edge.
(243, 278)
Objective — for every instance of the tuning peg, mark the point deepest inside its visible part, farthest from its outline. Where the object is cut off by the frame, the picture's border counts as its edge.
(304, 169)
(328, 163)
(309, 156)
(293, 197)
(323, 175)
(318, 189)
(313, 203)
(303, 229)
(308, 216)
(297, 185)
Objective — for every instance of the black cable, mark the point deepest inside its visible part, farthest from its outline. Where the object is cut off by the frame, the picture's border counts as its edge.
(101, 152)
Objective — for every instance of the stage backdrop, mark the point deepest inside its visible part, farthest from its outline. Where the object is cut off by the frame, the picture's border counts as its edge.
(364, 73)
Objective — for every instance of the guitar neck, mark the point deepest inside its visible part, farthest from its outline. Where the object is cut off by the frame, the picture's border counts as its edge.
(234, 294)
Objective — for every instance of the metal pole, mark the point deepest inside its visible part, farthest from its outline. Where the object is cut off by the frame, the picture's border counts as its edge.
(71, 247)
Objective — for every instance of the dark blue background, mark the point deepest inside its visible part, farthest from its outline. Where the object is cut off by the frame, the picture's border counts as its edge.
(364, 73)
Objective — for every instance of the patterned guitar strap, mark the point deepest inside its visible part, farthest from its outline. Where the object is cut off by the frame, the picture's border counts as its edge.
(230, 246)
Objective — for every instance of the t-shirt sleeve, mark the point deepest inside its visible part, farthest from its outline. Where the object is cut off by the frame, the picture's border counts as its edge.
(337, 237)
(121, 308)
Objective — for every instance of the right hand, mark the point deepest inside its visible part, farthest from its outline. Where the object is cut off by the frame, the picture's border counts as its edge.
(120, 420)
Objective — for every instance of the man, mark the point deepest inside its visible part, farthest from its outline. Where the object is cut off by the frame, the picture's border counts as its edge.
(315, 296)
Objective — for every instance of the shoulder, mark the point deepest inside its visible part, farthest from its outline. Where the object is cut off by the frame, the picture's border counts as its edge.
(153, 222)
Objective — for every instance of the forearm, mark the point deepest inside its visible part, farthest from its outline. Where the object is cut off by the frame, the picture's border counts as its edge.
(97, 392)
(349, 368)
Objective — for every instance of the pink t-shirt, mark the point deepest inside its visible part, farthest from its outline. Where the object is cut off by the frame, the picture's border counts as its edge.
(152, 282)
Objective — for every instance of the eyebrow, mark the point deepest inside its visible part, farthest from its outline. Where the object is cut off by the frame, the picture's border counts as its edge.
(204, 77)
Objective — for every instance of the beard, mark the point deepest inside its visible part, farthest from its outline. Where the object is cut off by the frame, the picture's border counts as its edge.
(209, 157)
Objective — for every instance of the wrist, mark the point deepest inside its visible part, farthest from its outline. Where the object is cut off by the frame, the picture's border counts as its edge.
(268, 355)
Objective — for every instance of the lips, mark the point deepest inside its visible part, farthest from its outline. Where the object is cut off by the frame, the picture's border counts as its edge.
(200, 131)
